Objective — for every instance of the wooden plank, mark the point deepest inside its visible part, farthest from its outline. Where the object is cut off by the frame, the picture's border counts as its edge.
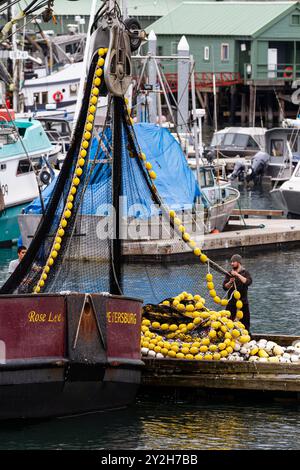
(233, 382)
(258, 212)
(177, 366)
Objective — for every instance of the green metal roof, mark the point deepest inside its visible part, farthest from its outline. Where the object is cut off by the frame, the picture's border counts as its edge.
(139, 8)
(220, 18)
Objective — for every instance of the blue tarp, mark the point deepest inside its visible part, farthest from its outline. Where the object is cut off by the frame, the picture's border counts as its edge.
(175, 181)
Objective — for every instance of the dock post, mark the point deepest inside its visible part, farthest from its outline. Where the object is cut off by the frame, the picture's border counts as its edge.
(232, 104)
(152, 45)
(243, 109)
(252, 99)
(270, 116)
(281, 115)
(183, 49)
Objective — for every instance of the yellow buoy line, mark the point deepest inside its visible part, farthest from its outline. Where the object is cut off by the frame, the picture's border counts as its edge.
(78, 172)
(184, 328)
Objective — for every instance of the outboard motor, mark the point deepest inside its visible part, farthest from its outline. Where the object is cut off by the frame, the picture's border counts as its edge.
(238, 171)
(259, 164)
(209, 154)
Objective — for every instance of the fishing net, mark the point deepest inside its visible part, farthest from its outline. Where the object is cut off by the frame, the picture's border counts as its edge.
(103, 208)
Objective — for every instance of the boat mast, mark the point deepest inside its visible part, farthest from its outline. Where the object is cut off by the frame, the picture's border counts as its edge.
(125, 9)
(85, 62)
(116, 248)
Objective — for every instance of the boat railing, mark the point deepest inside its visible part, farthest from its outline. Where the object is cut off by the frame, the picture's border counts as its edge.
(233, 193)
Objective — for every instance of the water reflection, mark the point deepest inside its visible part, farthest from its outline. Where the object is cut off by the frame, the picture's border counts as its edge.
(154, 424)
(160, 423)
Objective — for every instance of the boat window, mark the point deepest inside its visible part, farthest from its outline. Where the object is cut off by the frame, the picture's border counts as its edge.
(293, 143)
(241, 140)
(277, 147)
(210, 181)
(72, 48)
(8, 138)
(217, 140)
(202, 179)
(22, 131)
(53, 136)
(206, 178)
(252, 144)
(3, 167)
(228, 139)
(297, 172)
(24, 167)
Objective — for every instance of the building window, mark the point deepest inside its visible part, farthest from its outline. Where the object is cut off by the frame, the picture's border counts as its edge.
(160, 50)
(296, 20)
(206, 53)
(224, 52)
(174, 48)
(3, 167)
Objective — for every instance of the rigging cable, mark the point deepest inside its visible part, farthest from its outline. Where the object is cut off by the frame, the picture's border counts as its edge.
(28, 158)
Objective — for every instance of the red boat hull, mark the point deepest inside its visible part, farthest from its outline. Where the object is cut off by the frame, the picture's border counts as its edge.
(68, 354)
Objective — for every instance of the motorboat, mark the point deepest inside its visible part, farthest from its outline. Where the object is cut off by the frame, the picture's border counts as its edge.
(276, 162)
(287, 196)
(240, 142)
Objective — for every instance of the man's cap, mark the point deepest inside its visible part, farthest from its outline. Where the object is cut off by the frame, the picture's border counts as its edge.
(237, 259)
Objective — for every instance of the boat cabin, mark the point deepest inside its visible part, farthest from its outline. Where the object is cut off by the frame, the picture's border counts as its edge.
(281, 141)
(238, 141)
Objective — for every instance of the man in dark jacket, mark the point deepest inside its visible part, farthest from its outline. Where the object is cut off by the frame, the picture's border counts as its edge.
(239, 279)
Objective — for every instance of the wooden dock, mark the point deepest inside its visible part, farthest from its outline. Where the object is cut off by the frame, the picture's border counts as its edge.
(283, 379)
(257, 234)
(254, 234)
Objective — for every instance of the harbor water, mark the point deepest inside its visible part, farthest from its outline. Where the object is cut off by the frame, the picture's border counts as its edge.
(157, 423)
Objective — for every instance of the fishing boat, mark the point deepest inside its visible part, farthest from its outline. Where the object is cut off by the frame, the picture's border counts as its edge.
(65, 353)
(26, 155)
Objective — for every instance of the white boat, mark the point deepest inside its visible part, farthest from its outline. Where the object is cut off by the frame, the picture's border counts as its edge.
(25, 153)
(243, 142)
(56, 95)
(287, 197)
